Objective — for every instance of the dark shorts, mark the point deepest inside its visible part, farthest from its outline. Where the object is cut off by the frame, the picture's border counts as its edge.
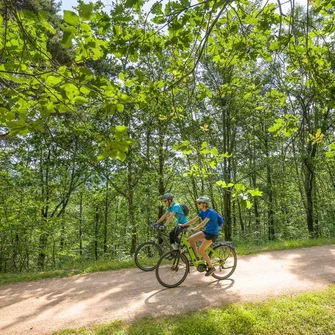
(210, 237)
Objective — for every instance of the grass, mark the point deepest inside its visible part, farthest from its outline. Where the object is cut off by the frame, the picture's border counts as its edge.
(305, 314)
(105, 265)
(80, 268)
(247, 248)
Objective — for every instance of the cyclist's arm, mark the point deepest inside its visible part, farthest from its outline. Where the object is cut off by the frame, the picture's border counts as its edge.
(203, 223)
(169, 219)
(191, 222)
(162, 217)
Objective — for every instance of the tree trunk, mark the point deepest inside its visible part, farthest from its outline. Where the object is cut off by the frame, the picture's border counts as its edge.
(131, 207)
(62, 234)
(271, 227)
(309, 185)
(161, 186)
(81, 224)
(241, 218)
(227, 214)
(43, 242)
(96, 233)
(106, 218)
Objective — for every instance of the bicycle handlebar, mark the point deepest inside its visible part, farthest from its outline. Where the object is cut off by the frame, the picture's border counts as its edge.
(154, 225)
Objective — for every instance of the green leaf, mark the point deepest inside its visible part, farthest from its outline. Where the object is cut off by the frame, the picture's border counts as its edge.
(85, 11)
(156, 8)
(71, 18)
(213, 164)
(101, 157)
(120, 108)
(223, 184)
(121, 156)
(255, 193)
(70, 90)
(277, 127)
(80, 100)
(131, 3)
(85, 90)
(124, 97)
(52, 80)
(67, 40)
(48, 27)
(121, 129)
(129, 83)
(239, 187)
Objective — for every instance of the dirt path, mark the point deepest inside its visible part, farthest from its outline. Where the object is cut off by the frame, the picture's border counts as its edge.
(53, 304)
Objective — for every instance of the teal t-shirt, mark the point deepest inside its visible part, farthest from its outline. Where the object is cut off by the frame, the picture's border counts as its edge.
(181, 218)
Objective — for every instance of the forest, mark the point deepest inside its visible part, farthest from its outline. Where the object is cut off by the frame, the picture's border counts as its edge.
(105, 107)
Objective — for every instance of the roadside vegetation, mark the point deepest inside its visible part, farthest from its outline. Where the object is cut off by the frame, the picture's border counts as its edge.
(106, 265)
(306, 314)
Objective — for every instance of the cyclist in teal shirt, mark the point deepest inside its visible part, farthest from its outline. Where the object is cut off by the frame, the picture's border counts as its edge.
(173, 210)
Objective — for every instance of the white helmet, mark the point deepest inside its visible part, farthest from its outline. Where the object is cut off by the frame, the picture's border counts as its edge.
(206, 200)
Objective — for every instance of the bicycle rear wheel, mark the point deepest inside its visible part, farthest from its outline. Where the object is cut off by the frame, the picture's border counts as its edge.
(147, 255)
(172, 269)
(224, 259)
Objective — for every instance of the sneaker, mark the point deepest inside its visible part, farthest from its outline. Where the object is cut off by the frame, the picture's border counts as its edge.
(174, 246)
(209, 271)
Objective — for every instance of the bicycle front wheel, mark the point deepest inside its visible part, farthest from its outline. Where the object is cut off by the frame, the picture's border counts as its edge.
(224, 259)
(172, 269)
(147, 255)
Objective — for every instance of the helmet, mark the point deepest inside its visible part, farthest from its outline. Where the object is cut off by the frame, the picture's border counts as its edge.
(204, 199)
(168, 196)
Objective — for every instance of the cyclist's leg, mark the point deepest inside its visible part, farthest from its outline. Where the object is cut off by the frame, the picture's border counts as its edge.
(173, 236)
(209, 239)
(202, 250)
(199, 236)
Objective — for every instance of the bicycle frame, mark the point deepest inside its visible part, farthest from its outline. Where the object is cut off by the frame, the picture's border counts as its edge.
(185, 243)
(160, 235)
(174, 265)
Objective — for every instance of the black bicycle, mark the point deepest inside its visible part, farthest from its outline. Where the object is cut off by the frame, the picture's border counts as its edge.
(148, 253)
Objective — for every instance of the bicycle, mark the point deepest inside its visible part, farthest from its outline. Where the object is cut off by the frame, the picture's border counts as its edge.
(173, 266)
(148, 253)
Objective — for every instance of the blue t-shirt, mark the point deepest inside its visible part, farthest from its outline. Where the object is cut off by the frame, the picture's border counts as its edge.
(212, 226)
(181, 218)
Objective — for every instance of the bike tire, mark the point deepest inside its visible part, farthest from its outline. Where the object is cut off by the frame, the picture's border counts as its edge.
(224, 261)
(172, 269)
(147, 255)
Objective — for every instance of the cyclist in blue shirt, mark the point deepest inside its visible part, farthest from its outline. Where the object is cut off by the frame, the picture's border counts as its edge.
(173, 210)
(209, 219)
